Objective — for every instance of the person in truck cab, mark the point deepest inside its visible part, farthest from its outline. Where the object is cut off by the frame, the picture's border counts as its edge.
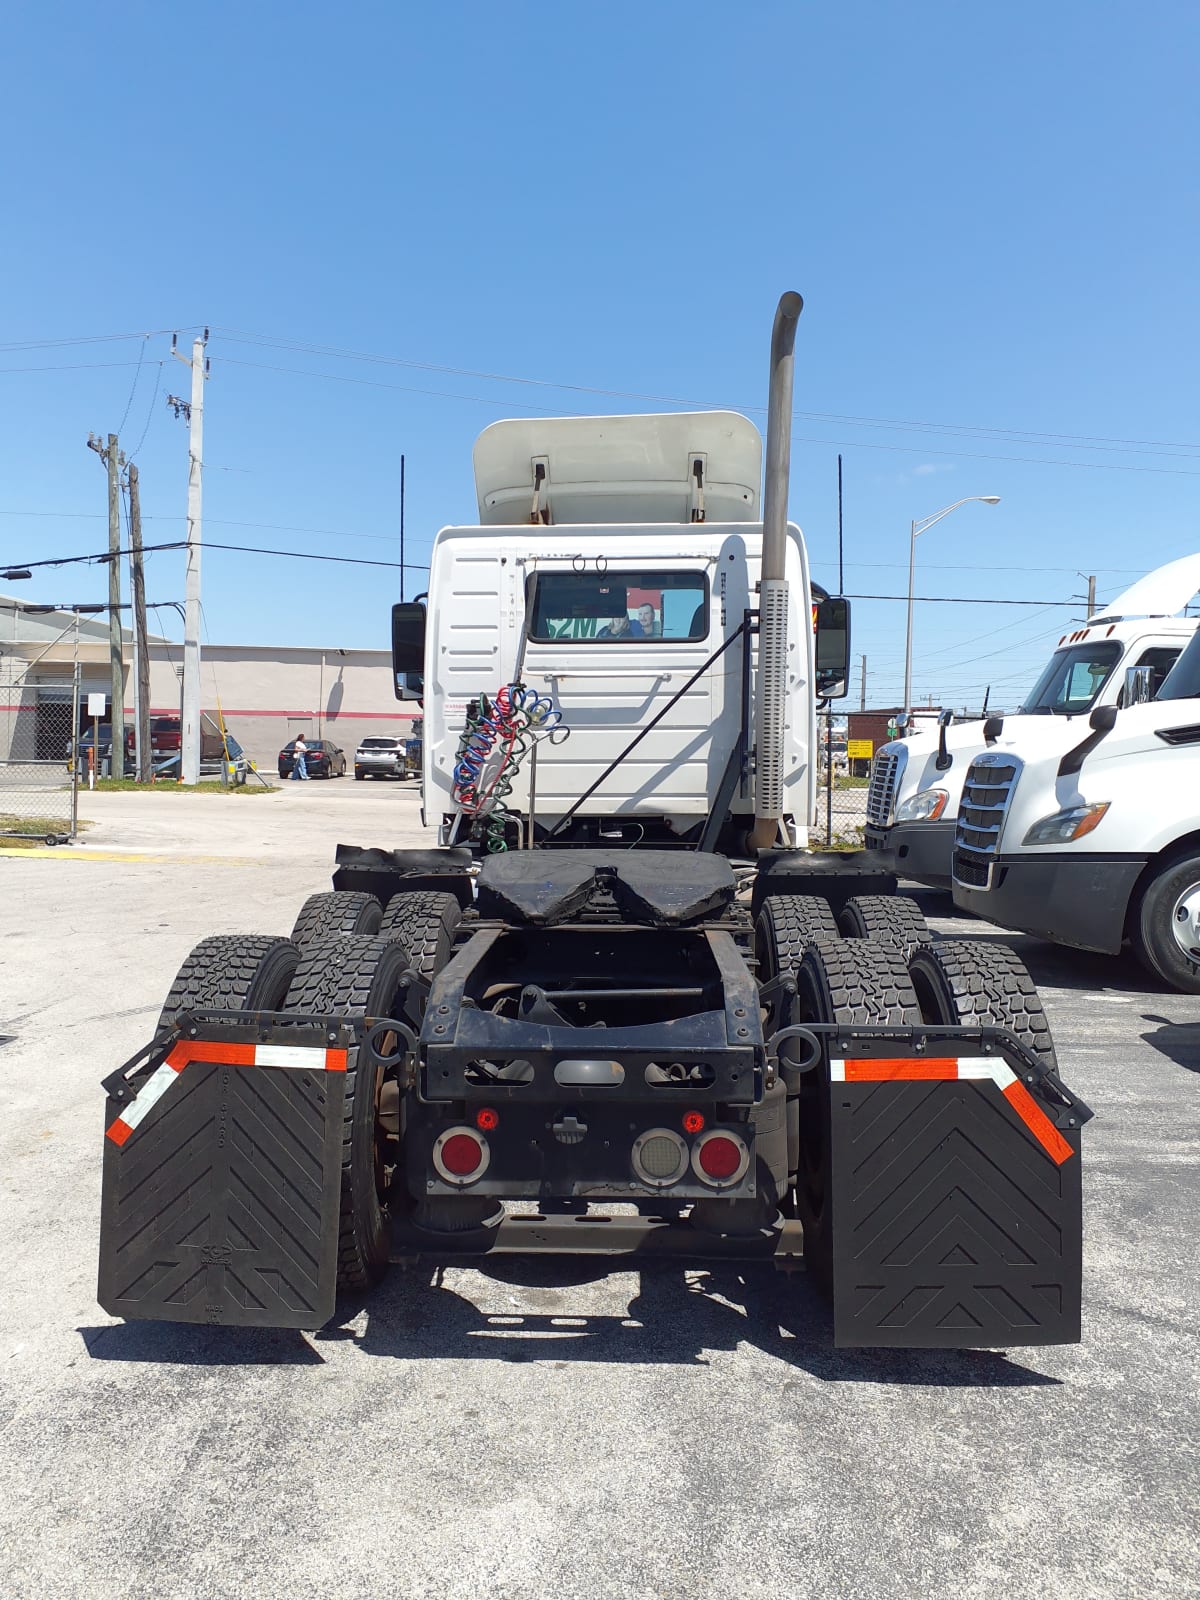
(621, 628)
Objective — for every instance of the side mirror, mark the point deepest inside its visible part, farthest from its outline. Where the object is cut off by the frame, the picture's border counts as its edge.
(946, 718)
(992, 729)
(1139, 686)
(832, 648)
(1104, 718)
(408, 650)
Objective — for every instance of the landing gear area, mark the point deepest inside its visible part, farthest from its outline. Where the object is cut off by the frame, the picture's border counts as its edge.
(612, 1042)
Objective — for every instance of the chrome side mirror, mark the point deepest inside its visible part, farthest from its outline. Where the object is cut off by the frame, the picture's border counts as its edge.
(1139, 686)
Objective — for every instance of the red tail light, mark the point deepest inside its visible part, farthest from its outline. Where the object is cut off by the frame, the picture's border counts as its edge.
(487, 1119)
(461, 1155)
(720, 1158)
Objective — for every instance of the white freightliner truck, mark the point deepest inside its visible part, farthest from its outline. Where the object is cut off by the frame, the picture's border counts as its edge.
(618, 987)
(1096, 847)
(916, 781)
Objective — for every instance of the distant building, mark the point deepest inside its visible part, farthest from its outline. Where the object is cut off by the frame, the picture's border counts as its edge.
(266, 693)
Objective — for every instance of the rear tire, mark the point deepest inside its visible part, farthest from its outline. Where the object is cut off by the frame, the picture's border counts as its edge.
(849, 982)
(232, 972)
(348, 975)
(423, 924)
(971, 984)
(339, 911)
(1161, 937)
(885, 916)
(786, 926)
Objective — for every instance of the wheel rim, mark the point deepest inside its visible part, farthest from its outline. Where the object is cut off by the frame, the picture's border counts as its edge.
(1185, 922)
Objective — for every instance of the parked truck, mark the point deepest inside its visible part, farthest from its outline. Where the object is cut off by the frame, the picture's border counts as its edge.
(616, 1005)
(1097, 847)
(916, 781)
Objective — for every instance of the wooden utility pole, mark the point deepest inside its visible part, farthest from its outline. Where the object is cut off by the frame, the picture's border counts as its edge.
(141, 644)
(862, 685)
(1091, 610)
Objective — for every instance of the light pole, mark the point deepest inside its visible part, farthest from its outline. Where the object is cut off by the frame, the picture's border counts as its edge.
(916, 528)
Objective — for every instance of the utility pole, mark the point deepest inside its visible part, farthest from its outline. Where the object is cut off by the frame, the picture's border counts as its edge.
(141, 645)
(193, 410)
(402, 527)
(112, 459)
(1091, 594)
(862, 685)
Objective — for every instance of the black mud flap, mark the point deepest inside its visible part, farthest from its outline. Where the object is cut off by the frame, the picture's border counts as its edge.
(222, 1174)
(956, 1199)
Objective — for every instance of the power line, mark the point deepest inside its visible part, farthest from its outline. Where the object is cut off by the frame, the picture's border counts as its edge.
(96, 338)
(1022, 435)
(132, 388)
(797, 438)
(149, 413)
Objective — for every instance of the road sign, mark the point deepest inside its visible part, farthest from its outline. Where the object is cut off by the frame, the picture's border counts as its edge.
(860, 749)
(96, 704)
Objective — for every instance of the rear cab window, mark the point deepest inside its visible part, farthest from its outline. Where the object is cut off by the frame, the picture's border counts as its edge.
(618, 607)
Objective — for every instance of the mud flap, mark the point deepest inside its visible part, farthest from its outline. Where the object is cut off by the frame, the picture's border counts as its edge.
(956, 1203)
(222, 1176)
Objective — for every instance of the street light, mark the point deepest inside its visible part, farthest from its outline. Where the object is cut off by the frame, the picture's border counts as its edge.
(915, 529)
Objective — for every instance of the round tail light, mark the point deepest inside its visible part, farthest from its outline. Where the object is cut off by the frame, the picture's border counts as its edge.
(720, 1159)
(659, 1157)
(460, 1155)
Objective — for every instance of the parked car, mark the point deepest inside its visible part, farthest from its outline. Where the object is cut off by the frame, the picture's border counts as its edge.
(324, 759)
(380, 756)
(101, 735)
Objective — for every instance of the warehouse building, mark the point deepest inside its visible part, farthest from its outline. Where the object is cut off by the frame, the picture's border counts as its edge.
(267, 694)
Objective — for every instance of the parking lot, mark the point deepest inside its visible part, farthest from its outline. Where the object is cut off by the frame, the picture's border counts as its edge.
(541, 1429)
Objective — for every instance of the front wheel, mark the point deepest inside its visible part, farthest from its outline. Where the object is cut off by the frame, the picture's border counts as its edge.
(1166, 929)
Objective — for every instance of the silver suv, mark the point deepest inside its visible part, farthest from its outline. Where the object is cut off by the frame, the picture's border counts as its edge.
(379, 758)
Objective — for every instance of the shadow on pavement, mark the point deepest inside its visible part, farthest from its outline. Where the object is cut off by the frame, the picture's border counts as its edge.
(191, 1344)
(1178, 1041)
(675, 1319)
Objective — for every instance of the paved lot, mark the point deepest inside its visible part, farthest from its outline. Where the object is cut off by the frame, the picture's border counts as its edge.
(542, 1430)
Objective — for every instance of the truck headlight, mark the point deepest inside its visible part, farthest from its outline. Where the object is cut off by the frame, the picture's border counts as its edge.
(1066, 826)
(925, 806)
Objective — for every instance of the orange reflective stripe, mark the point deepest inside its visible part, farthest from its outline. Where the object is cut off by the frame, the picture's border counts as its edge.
(119, 1132)
(335, 1060)
(888, 1069)
(1038, 1123)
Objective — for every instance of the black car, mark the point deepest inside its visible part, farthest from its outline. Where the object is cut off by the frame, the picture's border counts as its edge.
(323, 759)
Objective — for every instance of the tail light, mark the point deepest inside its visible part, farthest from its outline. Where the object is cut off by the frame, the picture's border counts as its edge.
(461, 1155)
(659, 1157)
(720, 1159)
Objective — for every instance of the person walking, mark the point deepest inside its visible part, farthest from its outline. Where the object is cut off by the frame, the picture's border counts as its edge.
(299, 752)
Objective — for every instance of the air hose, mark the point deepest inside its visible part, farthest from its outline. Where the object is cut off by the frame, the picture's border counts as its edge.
(498, 735)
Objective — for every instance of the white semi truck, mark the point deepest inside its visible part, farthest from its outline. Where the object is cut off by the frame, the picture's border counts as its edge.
(617, 1007)
(916, 781)
(1096, 847)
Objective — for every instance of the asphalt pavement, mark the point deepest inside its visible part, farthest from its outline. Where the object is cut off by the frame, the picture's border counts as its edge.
(555, 1429)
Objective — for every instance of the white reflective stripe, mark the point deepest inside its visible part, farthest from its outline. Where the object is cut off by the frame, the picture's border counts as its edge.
(148, 1095)
(310, 1057)
(998, 1071)
(837, 1071)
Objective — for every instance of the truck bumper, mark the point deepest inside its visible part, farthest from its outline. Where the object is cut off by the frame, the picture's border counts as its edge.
(922, 851)
(1079, 901)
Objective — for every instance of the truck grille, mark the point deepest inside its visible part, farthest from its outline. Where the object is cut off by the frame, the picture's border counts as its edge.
(981, 812)
(886, 768)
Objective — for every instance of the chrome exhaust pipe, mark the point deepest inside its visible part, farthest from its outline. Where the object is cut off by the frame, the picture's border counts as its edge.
(773, 590)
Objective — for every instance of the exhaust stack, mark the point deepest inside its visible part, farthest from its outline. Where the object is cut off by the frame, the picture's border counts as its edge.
(773, 589)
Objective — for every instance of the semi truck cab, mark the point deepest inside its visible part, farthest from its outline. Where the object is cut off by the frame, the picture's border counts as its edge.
(916, 782)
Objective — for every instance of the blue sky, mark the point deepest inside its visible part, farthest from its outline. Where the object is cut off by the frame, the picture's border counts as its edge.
(991, 214)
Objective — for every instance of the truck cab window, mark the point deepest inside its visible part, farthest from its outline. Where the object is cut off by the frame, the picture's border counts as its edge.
(618, 607)
(1072, 679)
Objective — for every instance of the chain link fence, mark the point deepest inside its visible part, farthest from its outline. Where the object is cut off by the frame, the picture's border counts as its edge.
(38, 783)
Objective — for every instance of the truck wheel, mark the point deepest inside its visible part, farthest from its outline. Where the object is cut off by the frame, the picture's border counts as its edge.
(232, 972)
(965, 983)
(1166, 930)
(423, 924)
(339, 911)
(348, 975)
(786, 926)
(846, 982)
(885, 916)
